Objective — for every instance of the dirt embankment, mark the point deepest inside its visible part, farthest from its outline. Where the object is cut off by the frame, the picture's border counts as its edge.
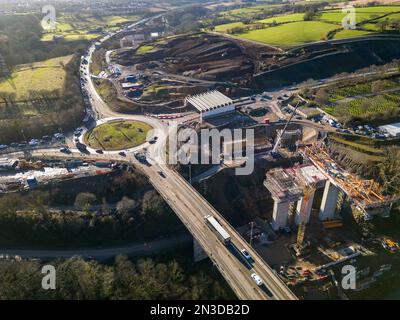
(200, 56)
(323, 60)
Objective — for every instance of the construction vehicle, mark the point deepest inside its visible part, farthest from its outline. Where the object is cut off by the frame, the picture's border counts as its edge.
(29, 165)
(390, 245)
(308, 190)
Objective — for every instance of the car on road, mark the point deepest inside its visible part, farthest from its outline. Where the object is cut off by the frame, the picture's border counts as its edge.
(99, 151)
(162, 174)
(246, 254)
(3, 147)
(257, 279)
(81, 146)
(122, 154)
(65, 150)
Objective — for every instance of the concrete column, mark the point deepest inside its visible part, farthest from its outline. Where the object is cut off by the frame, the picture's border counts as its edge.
(198, 252)
(329, 201)
(303, 209)
(280, 215)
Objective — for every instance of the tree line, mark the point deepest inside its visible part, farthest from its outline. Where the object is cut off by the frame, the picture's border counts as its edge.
(122, 209)
(77, 279)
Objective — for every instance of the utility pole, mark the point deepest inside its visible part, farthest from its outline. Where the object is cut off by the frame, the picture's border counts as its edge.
(190, 172)
(251, 232)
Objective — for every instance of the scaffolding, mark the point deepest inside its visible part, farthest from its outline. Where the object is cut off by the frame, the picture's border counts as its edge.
(365, 194)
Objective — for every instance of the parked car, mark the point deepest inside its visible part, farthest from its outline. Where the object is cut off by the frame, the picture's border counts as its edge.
(33, 142)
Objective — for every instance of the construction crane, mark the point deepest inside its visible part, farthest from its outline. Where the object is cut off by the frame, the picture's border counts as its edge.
(308, 190)
(280, 135)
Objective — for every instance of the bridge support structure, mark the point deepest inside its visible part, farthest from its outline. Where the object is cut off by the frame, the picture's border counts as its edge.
(198, 253)
(329, 202)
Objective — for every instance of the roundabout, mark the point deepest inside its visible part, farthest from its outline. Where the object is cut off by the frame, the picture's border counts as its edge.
(117, 134)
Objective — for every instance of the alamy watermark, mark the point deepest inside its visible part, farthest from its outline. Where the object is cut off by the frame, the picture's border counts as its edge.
(208, 146)
(349, 277)
(349, 20)
(49, 20)
(49, 280)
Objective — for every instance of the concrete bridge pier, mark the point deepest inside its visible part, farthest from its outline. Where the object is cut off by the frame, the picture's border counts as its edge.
(329, 201)
(280, 214)
(198, 253)
(303, 209)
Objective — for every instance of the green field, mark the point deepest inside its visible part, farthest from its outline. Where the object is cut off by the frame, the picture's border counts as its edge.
(371, 105)
(46, 75)
(343, 34)
(117, 135)
(228, 26)
(247, 13)
(86, 26)
(361, 89)
(285, 18)
(294, 31)
(144, 49)
(290, 34)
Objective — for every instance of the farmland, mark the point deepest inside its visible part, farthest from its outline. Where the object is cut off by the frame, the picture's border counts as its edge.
(85, 26)
(247, 13)
(292, 29)
(375, 102)
(39, 99)
(290, 33)
(46, 75)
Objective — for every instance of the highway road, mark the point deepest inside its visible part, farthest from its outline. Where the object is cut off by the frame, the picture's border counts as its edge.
(189, 205)
(191, 208)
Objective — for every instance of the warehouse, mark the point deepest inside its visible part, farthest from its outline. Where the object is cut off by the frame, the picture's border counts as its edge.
(211, 104)
(391, 129)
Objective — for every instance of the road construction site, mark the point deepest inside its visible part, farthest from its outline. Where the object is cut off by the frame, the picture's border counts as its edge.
(295, 240)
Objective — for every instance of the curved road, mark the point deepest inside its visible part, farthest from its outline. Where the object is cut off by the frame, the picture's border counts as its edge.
(191, 208)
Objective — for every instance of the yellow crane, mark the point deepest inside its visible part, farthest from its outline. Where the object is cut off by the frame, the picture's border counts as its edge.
(308, 190)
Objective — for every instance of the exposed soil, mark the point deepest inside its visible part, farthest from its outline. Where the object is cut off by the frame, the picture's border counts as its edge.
(201, 56)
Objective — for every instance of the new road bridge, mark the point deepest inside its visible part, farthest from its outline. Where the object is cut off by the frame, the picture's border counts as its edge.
(189, 205)
(191, 208)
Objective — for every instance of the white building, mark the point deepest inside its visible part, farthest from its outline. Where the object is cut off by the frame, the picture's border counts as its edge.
(211, 104)
(392, 129)
(8, 164)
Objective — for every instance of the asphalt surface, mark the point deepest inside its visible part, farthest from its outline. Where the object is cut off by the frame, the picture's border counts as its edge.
(136, 249)
(190, 207)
